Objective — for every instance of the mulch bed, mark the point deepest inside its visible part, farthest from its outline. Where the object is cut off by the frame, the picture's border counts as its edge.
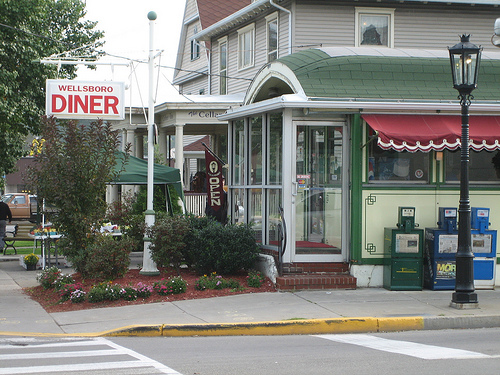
(49, 299)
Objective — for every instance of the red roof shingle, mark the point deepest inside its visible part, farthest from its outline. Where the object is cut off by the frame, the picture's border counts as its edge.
(212, 11)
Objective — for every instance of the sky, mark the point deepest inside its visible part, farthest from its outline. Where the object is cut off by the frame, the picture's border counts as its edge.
(126, 33)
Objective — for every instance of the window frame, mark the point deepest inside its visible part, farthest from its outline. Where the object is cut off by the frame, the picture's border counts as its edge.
(195, 46)
(223, 81)
(242, 48)
(362, 11)
(269, 20)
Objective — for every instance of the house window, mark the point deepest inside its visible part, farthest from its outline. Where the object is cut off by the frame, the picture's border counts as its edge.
(246, 41)
(195, 46)
(272, 37)
(374, 27)
(223, 66)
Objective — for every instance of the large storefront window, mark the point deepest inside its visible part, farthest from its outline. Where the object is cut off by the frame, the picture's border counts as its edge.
(238, 164)
(256, 185)
(256, 150)
(275, 147)
(484, 166)
(393, 166)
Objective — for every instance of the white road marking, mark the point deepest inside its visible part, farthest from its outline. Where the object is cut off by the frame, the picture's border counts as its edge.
(139, 360)
(404, 347)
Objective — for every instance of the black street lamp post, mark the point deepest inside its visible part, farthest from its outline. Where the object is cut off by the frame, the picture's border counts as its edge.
(464, 58)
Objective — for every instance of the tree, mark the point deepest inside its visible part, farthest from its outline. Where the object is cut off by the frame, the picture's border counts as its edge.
(71, 173)
(31, 30)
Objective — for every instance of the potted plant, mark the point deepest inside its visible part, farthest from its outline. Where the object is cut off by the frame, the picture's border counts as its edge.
(31, 261)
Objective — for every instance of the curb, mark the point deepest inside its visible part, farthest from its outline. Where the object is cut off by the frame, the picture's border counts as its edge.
(296, 327)
(288, 327)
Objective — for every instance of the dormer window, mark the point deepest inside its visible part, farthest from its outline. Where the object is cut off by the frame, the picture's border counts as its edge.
(374, 27)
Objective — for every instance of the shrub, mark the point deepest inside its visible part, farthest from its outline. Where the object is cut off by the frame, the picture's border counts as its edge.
(77, 296)
(48, 276)
(104, 292)
(223, 249)
(255, 279)
(214, 281)
(108, 258)
(172, 285)
(67, 290)
(167, 240)
(143, 290)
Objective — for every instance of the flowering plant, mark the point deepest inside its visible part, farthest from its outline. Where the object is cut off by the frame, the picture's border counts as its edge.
(255, 279)
(143, 290)
(104, 292)
(67, 290)
(128, 293)
(31, 259)
(48, 276)
(214, 281)
(172, 285)
(44, 231)
(77, 296)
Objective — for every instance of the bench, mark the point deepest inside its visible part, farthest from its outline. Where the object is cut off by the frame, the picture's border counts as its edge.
(10, 238)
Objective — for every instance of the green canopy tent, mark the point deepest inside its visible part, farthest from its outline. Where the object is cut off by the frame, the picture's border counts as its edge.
(136, 173)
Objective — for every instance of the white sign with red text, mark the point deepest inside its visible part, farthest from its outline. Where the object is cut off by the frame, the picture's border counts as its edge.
(84, 99)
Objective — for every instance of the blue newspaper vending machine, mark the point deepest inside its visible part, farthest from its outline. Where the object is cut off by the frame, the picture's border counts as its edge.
(440, 249)
(484, 247)
(441, 246)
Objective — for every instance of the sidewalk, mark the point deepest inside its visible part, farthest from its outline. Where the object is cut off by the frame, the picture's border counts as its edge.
(304, 312)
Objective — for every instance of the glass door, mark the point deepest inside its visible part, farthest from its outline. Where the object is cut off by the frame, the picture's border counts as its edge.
(319, 197)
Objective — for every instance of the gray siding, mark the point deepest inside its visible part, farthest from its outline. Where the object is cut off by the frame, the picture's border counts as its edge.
(240, 79)
(323, 24)
(332, 23)
(415, 25)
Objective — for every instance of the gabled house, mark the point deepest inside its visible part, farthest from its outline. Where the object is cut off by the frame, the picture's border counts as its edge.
(346, 112)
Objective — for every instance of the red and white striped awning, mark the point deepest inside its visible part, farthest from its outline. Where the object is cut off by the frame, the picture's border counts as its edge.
(434, 132)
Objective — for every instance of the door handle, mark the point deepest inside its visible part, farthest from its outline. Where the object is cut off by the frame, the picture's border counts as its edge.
(295, 188)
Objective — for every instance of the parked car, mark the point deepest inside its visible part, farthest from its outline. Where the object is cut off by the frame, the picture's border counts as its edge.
(23, 206)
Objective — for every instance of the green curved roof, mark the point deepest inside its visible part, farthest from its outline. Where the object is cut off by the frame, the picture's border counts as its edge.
(391, 74)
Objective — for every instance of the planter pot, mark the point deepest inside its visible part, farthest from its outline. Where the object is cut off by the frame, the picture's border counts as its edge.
(30, 267)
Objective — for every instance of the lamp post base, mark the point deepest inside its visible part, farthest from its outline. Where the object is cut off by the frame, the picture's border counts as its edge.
(464, 300)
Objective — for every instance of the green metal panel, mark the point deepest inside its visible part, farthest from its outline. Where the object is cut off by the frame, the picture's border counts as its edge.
(404, 274)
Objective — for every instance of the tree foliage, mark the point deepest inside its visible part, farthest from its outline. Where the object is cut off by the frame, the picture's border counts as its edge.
(29, 31)
(71, 174)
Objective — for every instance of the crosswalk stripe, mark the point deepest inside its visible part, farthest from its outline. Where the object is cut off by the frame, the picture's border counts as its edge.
(412, 349)
(116, 350)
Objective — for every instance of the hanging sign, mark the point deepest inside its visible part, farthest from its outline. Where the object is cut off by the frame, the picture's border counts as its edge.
(215, 184)
(83, 99)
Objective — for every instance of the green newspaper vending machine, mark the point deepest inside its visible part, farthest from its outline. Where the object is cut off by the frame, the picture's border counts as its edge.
(403, 246)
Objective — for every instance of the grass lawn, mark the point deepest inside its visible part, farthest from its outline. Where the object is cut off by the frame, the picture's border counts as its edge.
(24, 247)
